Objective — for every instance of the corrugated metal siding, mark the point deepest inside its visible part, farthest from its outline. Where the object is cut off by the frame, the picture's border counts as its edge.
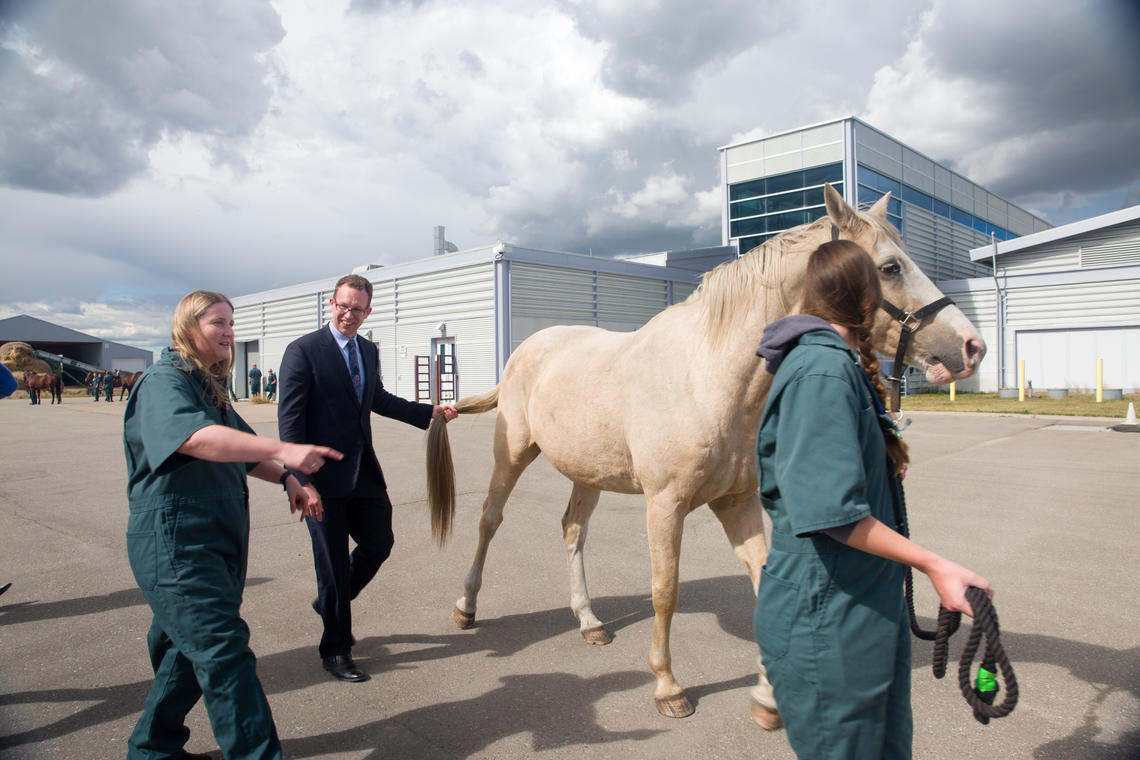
(545, 296)
(294, 316)
(452, 294)
(632, 300)
(940, 247)
(552, 292)
(1086, 304)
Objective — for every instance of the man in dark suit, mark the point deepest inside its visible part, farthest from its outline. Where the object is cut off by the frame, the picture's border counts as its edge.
(329, 387)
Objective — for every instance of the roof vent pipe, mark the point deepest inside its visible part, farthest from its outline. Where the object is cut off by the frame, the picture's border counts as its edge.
(440, 244)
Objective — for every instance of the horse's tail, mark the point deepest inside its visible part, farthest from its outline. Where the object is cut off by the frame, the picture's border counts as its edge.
(441, 469)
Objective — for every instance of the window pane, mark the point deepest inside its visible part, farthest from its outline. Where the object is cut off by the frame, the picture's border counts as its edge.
(867, 195)
(872, 178)
(748, 243)
(815, 213)
(960, 216)
(920, 199)
(782, 182)
(817, 175)
(785, 201)
(813, 197)
(785, 221)
(746, 208)
(942, 208)
(748, 226)
(746, 189)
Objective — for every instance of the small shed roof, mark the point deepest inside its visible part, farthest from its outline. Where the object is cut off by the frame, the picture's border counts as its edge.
(1052, 235)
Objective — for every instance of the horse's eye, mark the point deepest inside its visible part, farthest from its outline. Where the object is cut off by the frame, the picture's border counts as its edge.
(891, 268)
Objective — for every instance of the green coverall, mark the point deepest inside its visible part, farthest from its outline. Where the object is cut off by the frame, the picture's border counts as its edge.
(830, 620)
(187, 542)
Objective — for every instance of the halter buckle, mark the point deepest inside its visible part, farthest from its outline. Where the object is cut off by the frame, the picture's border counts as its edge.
(909, 321)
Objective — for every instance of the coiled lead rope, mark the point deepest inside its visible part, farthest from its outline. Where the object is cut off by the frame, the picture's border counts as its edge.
(985, 623)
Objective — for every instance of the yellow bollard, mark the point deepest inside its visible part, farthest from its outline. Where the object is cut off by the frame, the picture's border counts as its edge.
(953, 391)
(1099, 380)
(1021, 380)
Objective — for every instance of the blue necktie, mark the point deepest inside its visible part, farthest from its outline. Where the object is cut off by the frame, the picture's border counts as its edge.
(354, 370)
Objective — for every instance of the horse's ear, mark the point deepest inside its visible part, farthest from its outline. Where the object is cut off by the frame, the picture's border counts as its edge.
(880, 207)
(839, 210)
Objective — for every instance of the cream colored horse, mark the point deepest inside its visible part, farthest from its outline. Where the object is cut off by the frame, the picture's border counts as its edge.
(673, 409)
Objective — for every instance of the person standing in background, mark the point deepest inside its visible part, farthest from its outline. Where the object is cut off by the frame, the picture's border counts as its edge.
(254, 381)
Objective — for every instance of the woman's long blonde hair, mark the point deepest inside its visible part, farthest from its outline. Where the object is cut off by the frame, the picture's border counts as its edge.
(841, 286)
(182, 334)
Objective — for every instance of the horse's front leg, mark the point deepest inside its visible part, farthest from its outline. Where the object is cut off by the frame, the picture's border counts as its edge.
(742, 516)
(574, 522)
(665, 519)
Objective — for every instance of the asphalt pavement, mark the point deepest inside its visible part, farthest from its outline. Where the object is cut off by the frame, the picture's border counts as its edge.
(1047, 508)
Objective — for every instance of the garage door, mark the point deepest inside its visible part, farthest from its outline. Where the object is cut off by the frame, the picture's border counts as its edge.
(1067, 358)
(128, 365)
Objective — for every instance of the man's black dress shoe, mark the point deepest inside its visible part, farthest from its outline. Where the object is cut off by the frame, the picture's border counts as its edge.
(341, 666)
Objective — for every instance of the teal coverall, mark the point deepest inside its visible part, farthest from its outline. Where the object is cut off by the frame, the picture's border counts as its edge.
(830, 620)
(187, 542)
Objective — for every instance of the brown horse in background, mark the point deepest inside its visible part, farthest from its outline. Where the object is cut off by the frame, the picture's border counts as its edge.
(127, 381)
(43, 381)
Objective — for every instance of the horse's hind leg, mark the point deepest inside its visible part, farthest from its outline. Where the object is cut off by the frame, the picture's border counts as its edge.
(742, 516)
(574, 522)
(508, 467)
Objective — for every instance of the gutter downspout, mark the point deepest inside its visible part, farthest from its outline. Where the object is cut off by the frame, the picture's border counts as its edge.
(999, 316)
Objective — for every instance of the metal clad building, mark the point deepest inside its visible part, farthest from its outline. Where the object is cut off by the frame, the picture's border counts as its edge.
(467, 311)
(75, 345)
(1063, 298)
(776, 183)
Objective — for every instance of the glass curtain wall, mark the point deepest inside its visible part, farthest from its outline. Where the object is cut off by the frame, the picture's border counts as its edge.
(762, 208)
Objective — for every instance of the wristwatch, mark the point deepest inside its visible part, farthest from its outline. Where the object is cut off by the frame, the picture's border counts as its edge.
(284, 476)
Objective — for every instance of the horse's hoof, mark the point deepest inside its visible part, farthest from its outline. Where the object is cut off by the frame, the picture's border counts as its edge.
(765, 717)
(598, 636)
(677, 706)
(463, 619)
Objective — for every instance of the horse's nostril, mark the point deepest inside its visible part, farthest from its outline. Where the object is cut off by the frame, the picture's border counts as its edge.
(973, 348)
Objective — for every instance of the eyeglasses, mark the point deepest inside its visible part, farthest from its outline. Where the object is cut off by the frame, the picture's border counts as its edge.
(355, 311)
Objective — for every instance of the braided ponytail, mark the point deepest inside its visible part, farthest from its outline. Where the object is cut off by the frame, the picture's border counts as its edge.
(897, 449)
(842, 287)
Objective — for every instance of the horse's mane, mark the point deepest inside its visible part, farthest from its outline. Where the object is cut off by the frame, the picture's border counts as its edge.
(733, 285)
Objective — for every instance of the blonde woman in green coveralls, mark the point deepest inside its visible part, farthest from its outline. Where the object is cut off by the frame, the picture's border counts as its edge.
(188, 454)
(831, 621)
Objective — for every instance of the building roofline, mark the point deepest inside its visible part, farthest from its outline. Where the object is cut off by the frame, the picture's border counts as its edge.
(1054, 234)
(471, 257)
(55, 333)
(796, 129)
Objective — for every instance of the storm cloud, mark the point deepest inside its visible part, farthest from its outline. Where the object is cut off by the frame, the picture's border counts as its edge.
(148, 149)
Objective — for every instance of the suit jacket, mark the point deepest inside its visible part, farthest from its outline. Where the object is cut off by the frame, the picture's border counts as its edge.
(317, 405)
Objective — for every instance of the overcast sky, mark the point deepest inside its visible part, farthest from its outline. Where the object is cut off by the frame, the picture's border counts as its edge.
(151, 148)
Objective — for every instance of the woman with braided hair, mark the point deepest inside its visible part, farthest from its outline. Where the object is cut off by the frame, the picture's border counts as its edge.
(835, 639)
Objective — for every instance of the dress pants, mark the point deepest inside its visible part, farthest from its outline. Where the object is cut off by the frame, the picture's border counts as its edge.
(366, 517)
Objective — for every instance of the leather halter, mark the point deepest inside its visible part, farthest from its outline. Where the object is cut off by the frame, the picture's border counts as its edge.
(909, 322)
